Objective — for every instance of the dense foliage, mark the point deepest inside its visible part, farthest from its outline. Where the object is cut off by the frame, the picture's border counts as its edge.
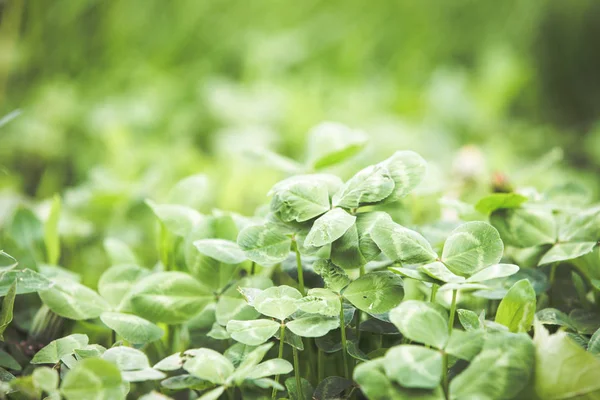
(320, 294)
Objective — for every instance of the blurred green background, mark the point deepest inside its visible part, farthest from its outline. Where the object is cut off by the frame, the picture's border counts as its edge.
(108, 103)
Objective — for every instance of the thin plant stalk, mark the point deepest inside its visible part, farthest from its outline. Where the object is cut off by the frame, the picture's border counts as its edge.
(434, 290)
(358, 312)
(297, 373)
(252, 268)
(320, 365)
(300, 272)
(344, 343)
(445, 355)
(281, 337)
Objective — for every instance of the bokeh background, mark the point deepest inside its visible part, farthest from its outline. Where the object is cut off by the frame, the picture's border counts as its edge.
(108, 103)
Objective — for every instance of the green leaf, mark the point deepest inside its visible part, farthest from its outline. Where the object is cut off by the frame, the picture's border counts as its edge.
(51, 238)
(329, 227)
(132, 363)
(498, 201)
(300, 198)
(170, 363)
(28, 281)
(414, 366)
(552, 316)
(132, 328)
(57, 349)
(213, 394)
(73, 300)
(8, 303)
(517, 309)
(276, 366)
(500, 371)
(523, 227)
(46, 379)
(320, 301)
(116, 283)
(465, 345)
(330, 143)
(494, 272)
(8, 361)
(307, 389)
(252, 332)
(463, 286)
(249, 362)
(264, 245)
(369, 186)
(401, 244)
(209, 271)
(421, 322)
(154, 395)
(222, 250)
(567, 251)
(96, 379)
(119, 252)
(469, 320)
(594, 343)
(313, 325)
(233, 305)
(356, 247)
(331, 388)
(563, 370)
(375, 292)
(209, 365)
(169, 297)
(438, 271)
(414, 273)
(178, 219)
(91, 350)
(334, 277)
(377, 386)
(407, 169)
(583, 227)
(278, 302)
(472, 247)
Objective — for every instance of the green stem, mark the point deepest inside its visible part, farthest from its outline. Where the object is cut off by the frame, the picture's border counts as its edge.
(300, 272)
(253, 268)
(552, 279)
(113, 338)
(297, 373)
(231, 393)
(452, 311)
(320, 365)
(344, 343)
(434, 289)
(281, 337)
(358, 312)
(444, 354)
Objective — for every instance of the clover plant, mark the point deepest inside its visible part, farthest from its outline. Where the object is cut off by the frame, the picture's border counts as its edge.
(326, 292)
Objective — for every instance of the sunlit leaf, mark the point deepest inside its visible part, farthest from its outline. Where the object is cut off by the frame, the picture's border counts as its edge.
(278, 302)
(313, 325)
(57, 349)
(517, 308)
(222, 250)
(96, 379)
(472, 247)
(375, 292)
(209, 365)
(414, 366)
(330, 143)
(421, 322)
(523, 227)
(132, 328)
(401, 244)
(253, 332)
(567, 251)
(264, 245)
(329, 227)
(73, 300)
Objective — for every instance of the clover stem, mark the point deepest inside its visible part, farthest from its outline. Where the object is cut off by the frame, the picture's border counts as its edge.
(445, 355)
(281, 337)
(231, 393)
(344, 343)
(113, 338)
(252, 268)
(297, 373)
(434, 289)
(358, 312)
(320, 365)
(300, 272)
(552, 279)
